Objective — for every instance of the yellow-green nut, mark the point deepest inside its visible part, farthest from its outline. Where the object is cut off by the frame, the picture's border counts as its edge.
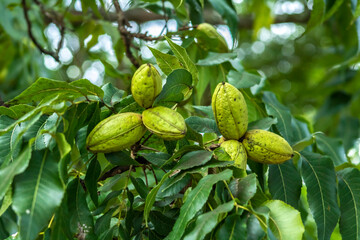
(116, 133)
(267, 147)
(236, 151)
(165, 123)
(230, 111)
(210, 39)
(146, 85)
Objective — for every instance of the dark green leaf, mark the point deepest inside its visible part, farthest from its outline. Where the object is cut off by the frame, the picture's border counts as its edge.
(158, 158)
(331, 147)
(162, 223)
(207, 110)
(195, 201)
(317, 14)
(150, 199)
(92, 175)
(16, 111)
(181, 152)
(103, 223)
(346, 131)
(191, 134)
(140, 186)
(285, 183)
(244, 188)
(193, 159)
(319, 176)
(202, 125)
(9, 142)
(121, 159)
(227, 11)
(177, 84)
(234, 228)
(173, 185)
(167, 63)
(38, 192)
(80, 218)
(349, 194)
(207, 221)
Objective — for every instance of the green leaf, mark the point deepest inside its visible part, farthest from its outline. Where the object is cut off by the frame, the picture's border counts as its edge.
(349, 194)
(285, 183)
(227, 11)
(319, 176)
(216, 58)
(9, 142)
(243, 79)
(184, 58)
(202, 125)
(80, 218)
(16, 111)
(191, 134)
(140, 186)
(173, 185)
(91, 177)
(45, 88)
(157, 158)
(112, 95)
(150, 199)
(103, 223)
(121, 159)
(285, 221)
(16, 167)
(195, 201)
(193, 159)
(207, 221)
(234, 228)
(317, 14)
(244, 188)
(264, 123)
(161, 222)
(207, 110)
(182, 151)
(38, 192)
(175, 88)
(167, 63)
(331, 147)
(276, 109)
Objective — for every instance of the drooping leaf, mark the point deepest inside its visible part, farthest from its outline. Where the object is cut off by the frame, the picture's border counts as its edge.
(319, 176)
(349, 194)
(140, 186)
(195, 200)
(193, 159)
(167, 63)
(184, 58)
(10, 141)
(285, 183)
(285, 222)
(331, 147)
(157, 158)
(38, 192)
(162, 223)
(16, 111)
(207, 221)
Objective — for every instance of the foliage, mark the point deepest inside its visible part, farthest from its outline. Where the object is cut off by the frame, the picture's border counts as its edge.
(52, 187)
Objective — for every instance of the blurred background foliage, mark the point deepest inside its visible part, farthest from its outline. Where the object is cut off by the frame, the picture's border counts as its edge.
(307, 52)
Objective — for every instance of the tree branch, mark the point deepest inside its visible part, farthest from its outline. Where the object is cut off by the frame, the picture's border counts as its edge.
(58, 22)
(122, 22)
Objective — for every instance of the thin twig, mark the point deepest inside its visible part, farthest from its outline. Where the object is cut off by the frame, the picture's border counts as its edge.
(122, 22)
(146, 179)
(147, 138)
(60, 23)
(148, 148)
